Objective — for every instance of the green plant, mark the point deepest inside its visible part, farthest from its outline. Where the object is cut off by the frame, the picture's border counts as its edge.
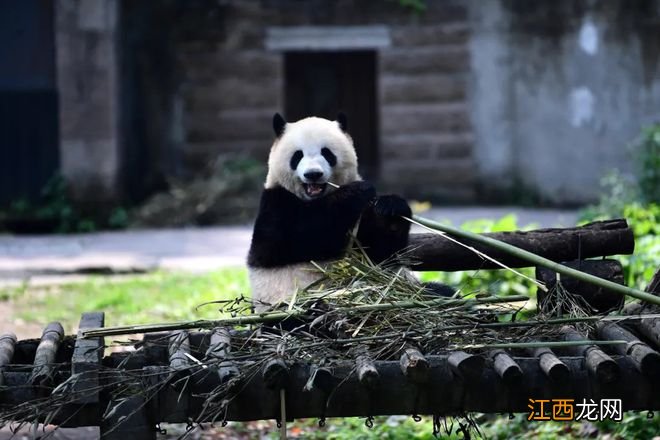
(648, 164)
(118, 218)
(642, 186)
(58, 212)
(617, 191)
(644, 220)
(416, 7)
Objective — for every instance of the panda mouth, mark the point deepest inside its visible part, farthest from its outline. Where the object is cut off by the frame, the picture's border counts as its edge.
(314, 189)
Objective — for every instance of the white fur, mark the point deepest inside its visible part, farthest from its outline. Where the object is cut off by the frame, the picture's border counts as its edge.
(272, 286)
(313, 161)
(310, 135)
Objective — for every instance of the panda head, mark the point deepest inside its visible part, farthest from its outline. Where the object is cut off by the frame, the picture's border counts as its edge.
(308, 154)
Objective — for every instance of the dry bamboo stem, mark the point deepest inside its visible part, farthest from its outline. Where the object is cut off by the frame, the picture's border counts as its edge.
(279, 316)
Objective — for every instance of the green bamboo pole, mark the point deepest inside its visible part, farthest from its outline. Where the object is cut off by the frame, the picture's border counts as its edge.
(538, 260)
(279, 316)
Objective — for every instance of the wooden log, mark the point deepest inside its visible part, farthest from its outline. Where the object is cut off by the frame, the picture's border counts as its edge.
(219, 348)
(44, 358)
(598, 362)
(275, 373)
(320, 378)
(551, 365)
(7, 344)
(179, 349)
(602, 300)
(366, 371)
(465, 365)
(650, 328)
(86, 360)
(654, 284)
(443, 395)
(414, 365)
(645, 358)
(506, 367)
(598, 239)
(128, 420)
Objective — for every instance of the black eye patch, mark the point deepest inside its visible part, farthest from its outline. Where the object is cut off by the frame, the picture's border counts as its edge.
(329, 156)
(295, 159)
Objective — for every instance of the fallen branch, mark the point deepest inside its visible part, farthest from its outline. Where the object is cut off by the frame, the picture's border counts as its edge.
(597, 239)
(535, 259)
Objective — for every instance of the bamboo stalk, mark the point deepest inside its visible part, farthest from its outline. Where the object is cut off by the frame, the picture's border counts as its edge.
(552, 321)
(279, 316)
(549, 344)
(538, 260)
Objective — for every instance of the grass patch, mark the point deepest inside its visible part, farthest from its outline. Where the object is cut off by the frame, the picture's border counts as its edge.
(161, 296)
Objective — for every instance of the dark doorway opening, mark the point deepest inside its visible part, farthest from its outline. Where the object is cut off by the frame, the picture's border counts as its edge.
(29, 136)
(323, 83)
(147, 97)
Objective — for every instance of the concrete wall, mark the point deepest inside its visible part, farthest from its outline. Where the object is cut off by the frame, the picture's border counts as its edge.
(558, 90)
(87, 85)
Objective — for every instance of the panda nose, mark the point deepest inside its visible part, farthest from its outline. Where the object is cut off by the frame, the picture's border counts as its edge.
(313, 175)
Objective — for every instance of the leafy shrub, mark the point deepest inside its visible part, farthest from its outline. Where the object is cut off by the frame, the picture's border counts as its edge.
(648, 164)
(52, 212)
(645, 223)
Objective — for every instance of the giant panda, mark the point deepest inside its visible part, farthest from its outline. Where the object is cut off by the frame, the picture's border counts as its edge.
(303, 216)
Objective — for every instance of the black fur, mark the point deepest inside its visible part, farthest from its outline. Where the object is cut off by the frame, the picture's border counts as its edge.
(439, 289)
(290, 230)
(343, 121)
(329, 156)
(382, 231)
(295, 159)
(278, 124)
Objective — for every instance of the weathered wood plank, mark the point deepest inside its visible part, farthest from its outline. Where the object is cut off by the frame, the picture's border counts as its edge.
(86, 359)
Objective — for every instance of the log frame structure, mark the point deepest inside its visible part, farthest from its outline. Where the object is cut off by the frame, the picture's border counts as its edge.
(489, 381)
(452, 384)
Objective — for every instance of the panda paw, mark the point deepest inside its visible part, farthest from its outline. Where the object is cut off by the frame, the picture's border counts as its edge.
(360, 190)
(439, 289)
(392, 206)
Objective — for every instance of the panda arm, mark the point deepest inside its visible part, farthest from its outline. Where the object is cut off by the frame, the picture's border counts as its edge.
(322, 226)
(347, 203)
(273, 229)
(382, 231)
(288, 230)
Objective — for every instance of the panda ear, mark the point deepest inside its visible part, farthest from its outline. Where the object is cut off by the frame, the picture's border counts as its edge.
(278, 124)
(342, 120)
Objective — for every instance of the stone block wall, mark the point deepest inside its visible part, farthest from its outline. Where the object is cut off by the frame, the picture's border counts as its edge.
(232, 85)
